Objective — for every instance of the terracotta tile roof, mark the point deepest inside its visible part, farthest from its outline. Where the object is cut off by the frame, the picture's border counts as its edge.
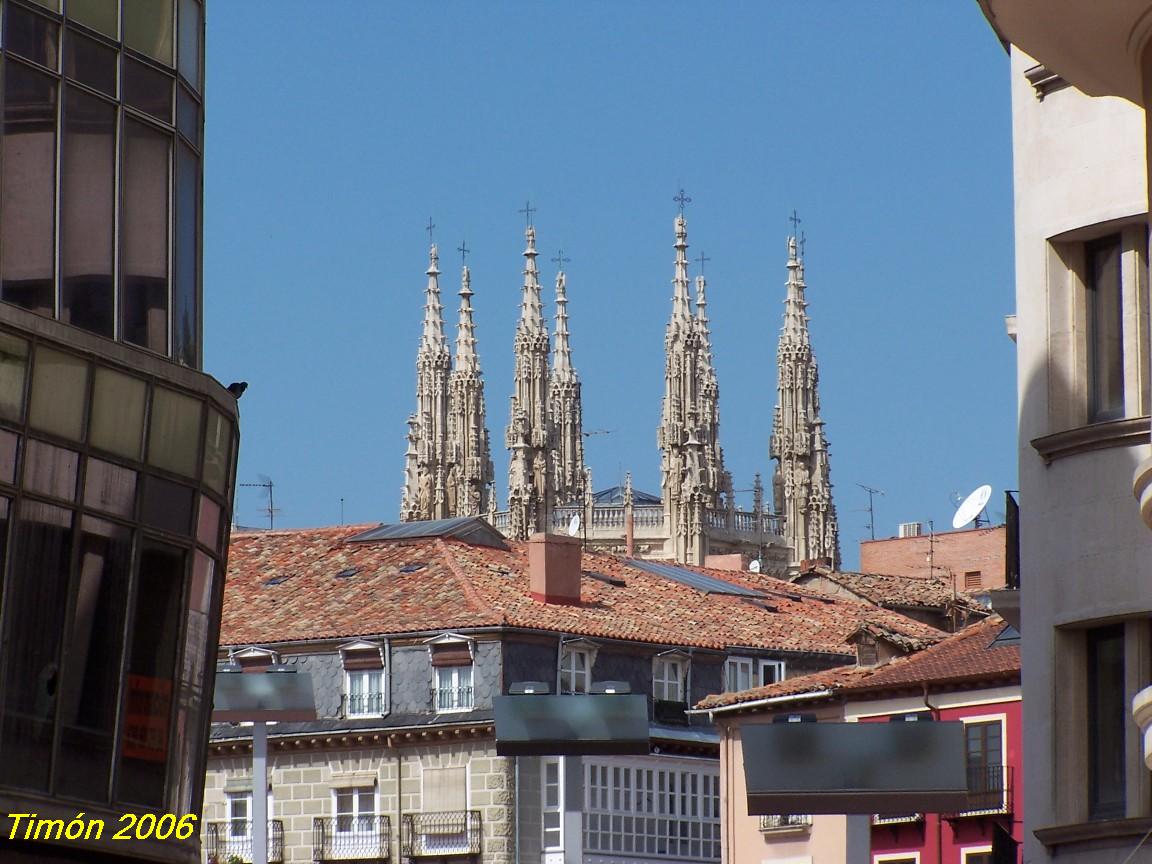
(972, 655)
(892, 591)
(283, 586)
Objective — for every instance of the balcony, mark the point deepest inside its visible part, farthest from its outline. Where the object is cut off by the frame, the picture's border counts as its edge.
(453, 698)
(350, 838)
(989, 792)
(437, 834)
(225, 842)
(785, 823)
(362, 704)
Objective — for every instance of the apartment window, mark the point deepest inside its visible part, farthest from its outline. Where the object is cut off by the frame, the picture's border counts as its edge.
(744, 673)
(355, 808)
(668, 679)
(552, 803)
(633, 809)
(364, 691)
(976, 855)
(575, 670)
(771, 671)
(984, 752)
(1104, 310)
(239, 814)
(454, 688)
(1107, 719)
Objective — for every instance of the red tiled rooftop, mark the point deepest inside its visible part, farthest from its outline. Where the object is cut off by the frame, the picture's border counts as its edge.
(967, 656)
(463, 586)
(891, 590)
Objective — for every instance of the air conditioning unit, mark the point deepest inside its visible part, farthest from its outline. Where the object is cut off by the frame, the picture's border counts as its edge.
(911, 529)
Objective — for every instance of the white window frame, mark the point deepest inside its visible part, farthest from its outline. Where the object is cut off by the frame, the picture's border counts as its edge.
(568, 654)
(449, 681)
(349, 675)
(740, 667)
(547, 809)
(1001, 718)
(661, 680)
(965, 851)
(777, 665)
(356, 814)
(235, 798)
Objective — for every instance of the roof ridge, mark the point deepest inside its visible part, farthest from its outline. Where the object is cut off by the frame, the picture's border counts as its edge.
(470, 591)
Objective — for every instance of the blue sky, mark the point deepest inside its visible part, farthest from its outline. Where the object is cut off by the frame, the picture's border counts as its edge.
(333, 134)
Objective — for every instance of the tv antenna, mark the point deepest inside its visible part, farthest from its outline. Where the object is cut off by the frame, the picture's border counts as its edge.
(597, 432)
(972, 508)
(871, 512)
(270, 511)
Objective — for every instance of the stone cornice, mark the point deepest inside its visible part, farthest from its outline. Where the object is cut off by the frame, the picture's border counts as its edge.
(1127, 432)
(1089, 834)
(345, 739)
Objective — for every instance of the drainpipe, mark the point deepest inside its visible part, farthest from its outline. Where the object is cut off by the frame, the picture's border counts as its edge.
(399, 798)
(516, 809)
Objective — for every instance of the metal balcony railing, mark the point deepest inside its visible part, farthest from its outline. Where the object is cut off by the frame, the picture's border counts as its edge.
(362, 704)
(989, 791)
(453, 698)
(226, 841)
(896, 818)
(435, 834)
(348, 838)
(785, 822)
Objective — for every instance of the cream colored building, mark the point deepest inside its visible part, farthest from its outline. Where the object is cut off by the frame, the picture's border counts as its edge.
(1079, 74)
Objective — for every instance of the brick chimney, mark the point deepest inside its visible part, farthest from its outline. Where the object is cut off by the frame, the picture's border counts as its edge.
(554, 568)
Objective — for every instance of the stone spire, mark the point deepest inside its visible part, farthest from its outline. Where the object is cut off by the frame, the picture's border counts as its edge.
(802, 488)
(425, 487)
(530, 472)
(684, 475)
(470, 472)
(564, 407)
(708, 410)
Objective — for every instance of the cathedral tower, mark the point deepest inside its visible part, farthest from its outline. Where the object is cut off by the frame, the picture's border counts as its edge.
(470, 473)
(426, 469)
(530, 471)
(801, 486)
(564, 408)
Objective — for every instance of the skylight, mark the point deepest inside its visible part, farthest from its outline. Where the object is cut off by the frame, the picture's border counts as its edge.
(699, 581)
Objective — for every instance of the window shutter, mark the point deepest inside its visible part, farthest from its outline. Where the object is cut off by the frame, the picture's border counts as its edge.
(453, 654)
(445, 790)
(355, 661)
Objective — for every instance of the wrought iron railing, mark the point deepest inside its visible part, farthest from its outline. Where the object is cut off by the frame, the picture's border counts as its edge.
(453, 698)
(231, 839)
(435, 834)
(989, 790)
(785, 821)
(362, 704)
(896, 818)
(347, 838)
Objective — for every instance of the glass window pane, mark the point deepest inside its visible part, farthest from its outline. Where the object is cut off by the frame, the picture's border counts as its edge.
(192, 705)
(167, 506)
(88, 212)
(90, 62)
(100, 15)
(51, 470)
(117, 423)
(59, 390)
(208, 525)
(174, 435)
(35, 599)
(148, 28)
(13, 374)
(188, 58)
(111, 488)
(28, 189)
(188, 116)
(91, 683)
(156, 628)
(217, 451)
(1105, 330)
(54, 5)
(144, 225)
(32, 36)
(148, 89)
(1108, 718)
(185, 325)
(9, 451)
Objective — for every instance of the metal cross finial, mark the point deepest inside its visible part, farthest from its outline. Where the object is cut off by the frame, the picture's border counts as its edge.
(561, 260)
(795, 220)
(429, 227)
(528, 210)
(463, 250)
(681, 199)
(700, 259)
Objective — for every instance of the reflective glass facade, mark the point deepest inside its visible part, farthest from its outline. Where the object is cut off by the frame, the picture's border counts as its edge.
(100, 170)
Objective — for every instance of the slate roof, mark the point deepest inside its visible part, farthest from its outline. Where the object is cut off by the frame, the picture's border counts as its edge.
(909, 592)
(283, 586)
(973, 656)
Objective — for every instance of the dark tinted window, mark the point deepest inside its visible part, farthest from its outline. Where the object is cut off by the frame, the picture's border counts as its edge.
(145, 236)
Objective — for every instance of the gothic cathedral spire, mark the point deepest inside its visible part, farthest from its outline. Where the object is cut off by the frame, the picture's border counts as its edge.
(530, 471)
(470, 474)
(426, 471)
(565, 411)
(801, 486)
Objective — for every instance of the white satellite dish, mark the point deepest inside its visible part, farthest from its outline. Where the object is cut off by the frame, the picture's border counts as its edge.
(574, 525)
(972, 507)
(754, 566)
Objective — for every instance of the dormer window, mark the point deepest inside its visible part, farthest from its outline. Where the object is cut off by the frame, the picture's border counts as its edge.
(576, 659)
(452, 658)
(867, 651)
(254, 659)
(363, 680)
(669, 677)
